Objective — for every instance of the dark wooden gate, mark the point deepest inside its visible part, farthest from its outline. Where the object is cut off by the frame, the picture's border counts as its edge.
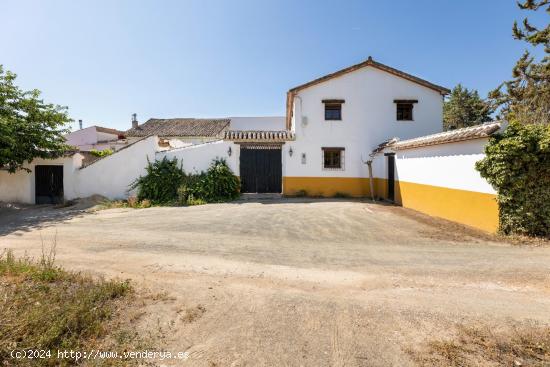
(48, 184)
(391, 177)
(260, 169)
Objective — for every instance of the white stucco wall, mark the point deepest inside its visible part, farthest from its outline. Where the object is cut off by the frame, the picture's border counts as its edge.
(445, 165)
(20, 186)
(112, 175)
(197, 158)
(89, 138)
(86, 136)
(270, 123)
(368, 118)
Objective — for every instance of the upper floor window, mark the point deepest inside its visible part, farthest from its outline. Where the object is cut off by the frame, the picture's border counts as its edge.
(333, 109)
(404, 109)
(333, 158)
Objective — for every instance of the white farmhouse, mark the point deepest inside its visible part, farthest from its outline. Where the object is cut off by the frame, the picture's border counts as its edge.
(340, 118)
(354, 133)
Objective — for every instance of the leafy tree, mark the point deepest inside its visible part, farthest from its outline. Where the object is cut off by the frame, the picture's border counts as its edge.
(526, 98)
(29, 128)
(465, 108)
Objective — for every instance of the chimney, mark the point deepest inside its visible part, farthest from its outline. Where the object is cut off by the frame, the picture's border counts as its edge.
(80, 124)
(134, 121)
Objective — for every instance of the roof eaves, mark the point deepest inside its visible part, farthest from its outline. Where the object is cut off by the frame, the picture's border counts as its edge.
(452, 136)
(380, 66)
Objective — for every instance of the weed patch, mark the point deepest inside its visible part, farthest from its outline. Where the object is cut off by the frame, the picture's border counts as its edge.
(519, 345)
(44, 307)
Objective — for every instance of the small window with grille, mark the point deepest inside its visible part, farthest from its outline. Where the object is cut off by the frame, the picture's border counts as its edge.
(333, 158)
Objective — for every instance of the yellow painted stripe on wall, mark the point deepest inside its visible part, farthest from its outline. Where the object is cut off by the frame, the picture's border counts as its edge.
(476, 209)
(326, 186)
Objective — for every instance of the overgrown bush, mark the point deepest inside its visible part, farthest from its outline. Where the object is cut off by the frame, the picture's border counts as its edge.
(517, 165)
(160, 184)
(217, 184)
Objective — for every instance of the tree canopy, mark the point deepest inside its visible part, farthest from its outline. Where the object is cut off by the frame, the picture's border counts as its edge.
(526, 98)
(465, 108)
(29, 128)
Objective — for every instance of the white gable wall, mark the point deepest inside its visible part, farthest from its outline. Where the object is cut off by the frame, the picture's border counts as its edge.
(368, 118)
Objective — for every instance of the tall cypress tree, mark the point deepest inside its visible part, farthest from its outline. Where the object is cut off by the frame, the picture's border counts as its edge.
(526, 98)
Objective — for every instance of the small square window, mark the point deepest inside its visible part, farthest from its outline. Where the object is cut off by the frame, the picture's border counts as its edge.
(333, 111)
(404, 111)
(333, 158)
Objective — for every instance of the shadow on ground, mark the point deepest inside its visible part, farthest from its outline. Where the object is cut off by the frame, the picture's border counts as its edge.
(24, 218)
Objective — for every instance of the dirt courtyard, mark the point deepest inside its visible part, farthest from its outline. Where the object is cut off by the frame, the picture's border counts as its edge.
(296, 282)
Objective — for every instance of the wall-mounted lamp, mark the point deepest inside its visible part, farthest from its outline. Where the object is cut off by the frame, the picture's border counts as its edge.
(290, 152)
(229, 151)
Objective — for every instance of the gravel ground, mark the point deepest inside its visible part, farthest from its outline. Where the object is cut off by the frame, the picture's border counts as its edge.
(295, 282)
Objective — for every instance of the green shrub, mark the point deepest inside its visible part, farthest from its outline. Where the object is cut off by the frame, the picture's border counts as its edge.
(217, 184)
(160, 184)
(517, 165)
(101, 153)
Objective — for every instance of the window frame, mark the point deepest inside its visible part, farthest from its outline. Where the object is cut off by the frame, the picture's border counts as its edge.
(341, 159)
(333, 105)
(400, 107)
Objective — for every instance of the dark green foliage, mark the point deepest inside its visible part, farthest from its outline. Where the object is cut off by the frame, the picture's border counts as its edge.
(517, 165)
(217, 184)
(526, 98)
(465, 108)
(160, 184)
(29, 128)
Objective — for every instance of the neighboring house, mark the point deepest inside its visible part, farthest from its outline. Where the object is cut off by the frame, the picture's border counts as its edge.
(96, 138)
(179, 132)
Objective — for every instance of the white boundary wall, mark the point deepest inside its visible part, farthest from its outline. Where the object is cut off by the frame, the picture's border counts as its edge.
(197, 158)
(450, 165)
(111, 176)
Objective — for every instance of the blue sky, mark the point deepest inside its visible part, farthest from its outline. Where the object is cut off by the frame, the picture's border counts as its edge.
(204, 58)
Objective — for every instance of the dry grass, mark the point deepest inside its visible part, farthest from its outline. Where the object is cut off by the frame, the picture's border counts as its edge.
(518, 345)
(192, 314)
(44, 307)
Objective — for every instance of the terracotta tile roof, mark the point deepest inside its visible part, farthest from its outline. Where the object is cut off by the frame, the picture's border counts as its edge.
(180, 127)
(369, 62)
(258, 136)
(467, 133)
(108, 130)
